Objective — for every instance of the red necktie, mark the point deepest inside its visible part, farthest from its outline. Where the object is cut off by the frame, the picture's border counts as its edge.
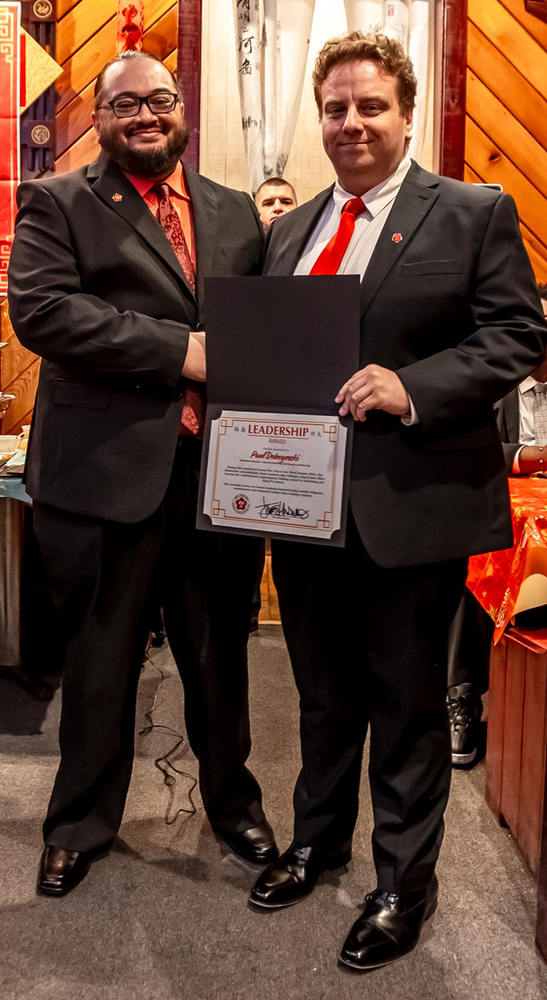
(193, 399)
(331, 256)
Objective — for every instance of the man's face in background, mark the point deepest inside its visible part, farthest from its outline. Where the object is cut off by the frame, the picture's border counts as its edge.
(273, 200)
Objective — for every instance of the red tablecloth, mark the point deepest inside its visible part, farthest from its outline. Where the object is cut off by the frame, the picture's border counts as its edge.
(495, 578)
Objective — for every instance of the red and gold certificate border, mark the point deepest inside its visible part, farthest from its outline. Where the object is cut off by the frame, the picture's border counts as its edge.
(331, 430)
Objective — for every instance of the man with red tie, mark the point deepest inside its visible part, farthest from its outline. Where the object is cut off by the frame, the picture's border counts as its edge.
(450, 322)
(106, 284)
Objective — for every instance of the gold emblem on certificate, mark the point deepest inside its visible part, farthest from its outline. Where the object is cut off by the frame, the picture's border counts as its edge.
(276, 472)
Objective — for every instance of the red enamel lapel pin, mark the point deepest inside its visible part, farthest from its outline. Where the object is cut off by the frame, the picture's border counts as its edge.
(397, 237)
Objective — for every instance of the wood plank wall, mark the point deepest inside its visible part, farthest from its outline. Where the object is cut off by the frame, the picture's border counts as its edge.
(506, 137)
(86, 39)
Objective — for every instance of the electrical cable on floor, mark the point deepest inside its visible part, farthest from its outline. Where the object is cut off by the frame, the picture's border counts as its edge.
(164, 763)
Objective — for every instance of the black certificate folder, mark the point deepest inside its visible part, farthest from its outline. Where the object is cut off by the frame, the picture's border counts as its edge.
(280, 345)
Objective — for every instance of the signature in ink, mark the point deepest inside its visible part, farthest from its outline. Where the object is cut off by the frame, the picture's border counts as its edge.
(280, 509)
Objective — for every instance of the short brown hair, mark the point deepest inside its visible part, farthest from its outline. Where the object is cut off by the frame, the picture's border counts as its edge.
(354, 46)
(275, 182)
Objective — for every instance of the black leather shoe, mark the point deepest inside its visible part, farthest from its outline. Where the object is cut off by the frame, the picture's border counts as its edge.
(61, 871)
(464, 714)
(389, 927)
(294, 876)
(256, 845)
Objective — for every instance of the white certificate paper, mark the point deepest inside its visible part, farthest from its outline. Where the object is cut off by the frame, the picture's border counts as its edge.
(276, 472)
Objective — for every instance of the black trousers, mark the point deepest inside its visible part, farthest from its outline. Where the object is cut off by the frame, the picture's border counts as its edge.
(469, 641)
(106, 580)
(368, 647)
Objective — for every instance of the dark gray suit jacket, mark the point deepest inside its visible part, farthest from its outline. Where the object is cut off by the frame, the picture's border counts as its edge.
(508, 418)
(454, 310)
(96, 290)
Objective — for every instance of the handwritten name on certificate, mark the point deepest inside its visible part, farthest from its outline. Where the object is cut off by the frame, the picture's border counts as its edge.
(276, 472)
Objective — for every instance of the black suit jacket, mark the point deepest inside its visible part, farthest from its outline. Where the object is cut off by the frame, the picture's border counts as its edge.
(453, 309)
(508, 418)
(96, 290)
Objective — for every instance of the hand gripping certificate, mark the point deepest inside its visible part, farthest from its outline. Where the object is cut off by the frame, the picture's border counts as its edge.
(276, 472)
(276, 455)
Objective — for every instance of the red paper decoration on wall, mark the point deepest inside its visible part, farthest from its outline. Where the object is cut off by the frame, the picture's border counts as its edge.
(130, 17)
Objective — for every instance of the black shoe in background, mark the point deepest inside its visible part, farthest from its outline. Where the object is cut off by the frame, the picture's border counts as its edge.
(464, 714)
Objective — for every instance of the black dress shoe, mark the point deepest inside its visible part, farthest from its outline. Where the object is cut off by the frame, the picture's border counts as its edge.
(61, 871)
(464, 714)
(389, 927)
(294, 875)
(256, 845)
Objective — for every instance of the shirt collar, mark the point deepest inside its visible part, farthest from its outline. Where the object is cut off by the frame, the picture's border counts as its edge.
(379, 196)
(176, 182)
(528, 384)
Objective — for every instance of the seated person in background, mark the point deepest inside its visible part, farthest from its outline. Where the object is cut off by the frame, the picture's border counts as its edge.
(522, 419)
(522, 423)
(274, 197)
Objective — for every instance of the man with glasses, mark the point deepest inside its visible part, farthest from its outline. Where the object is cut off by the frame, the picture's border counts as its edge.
(106, 284)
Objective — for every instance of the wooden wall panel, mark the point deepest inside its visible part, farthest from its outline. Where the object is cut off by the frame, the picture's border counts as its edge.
(506, 138)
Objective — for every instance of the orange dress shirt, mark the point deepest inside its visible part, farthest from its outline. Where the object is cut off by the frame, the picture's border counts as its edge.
(180, 199)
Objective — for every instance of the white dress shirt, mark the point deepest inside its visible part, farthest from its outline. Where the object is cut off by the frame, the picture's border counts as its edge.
(368, 227)
(527, 434)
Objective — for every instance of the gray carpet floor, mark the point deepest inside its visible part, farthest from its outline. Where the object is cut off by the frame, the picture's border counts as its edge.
(165, 916)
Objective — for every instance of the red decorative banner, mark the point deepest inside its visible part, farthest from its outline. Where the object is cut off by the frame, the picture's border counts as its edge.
(130, 15)
(10, 50)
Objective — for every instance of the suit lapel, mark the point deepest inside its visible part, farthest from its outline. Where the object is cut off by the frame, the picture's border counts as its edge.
(510, 409)
(288, 240)
(418, 194)
(205, 212)
(111, 185)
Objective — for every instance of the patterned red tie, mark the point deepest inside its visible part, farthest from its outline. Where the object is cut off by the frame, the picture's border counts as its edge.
(331, 256)
(193, 399)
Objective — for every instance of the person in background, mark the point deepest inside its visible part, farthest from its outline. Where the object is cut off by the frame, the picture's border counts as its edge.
(450, 322)
(106, 285)
(522, 423)
(275, 197)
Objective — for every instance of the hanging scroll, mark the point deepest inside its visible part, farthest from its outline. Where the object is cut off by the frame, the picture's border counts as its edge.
(249, 68)
(396, 18)
(294, 26)
(365, 15)
(10, 70)
(129, 28)
(421, 48)
(271, 93)
(272, 40)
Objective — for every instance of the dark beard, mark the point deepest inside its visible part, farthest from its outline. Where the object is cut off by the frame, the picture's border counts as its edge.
(147, 163)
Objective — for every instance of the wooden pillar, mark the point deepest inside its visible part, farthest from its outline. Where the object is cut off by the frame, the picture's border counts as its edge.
(189, 72)
(451, 46)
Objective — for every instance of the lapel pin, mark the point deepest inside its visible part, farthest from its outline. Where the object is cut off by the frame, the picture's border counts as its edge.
(397, 237)
(117, 196)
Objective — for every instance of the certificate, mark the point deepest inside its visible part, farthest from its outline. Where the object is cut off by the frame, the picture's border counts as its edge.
(280, 473)
(276, 455)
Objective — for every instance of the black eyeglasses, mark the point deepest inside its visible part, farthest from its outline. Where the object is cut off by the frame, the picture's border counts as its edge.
(128, 107)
